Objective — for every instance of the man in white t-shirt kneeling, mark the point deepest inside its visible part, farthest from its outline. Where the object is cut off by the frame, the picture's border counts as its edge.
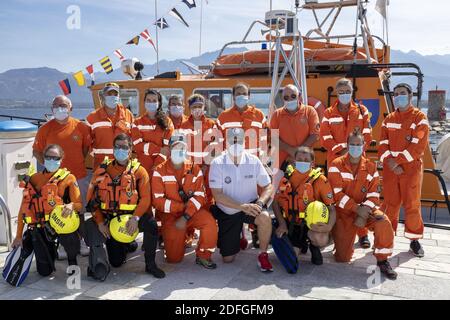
(234, 178)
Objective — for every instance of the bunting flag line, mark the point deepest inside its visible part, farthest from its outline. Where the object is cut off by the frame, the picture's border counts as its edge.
(135, 41)
(174, 13)
(146, 35)
(90, 70)
(65, 86)
(79, 78)
(119, 54)
(190, 3)
(106, 64)
(161, 23)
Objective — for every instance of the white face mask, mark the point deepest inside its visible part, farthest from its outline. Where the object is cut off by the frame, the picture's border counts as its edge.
(61, 113)
(112, 101)
(292, 105)
(176, 111)
(197, 113)
(236, 149)
(178, 156)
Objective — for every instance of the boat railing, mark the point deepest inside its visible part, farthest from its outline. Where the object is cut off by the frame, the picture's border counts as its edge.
(4, 211)
(35, 121)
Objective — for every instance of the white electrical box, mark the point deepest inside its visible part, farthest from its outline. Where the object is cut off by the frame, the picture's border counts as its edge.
(16, 142)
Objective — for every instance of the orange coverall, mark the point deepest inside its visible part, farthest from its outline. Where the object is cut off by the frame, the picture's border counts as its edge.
(167, 182)
(404, 137)
(252, 120)
(105, 128)
(148, 139)
(354, 186)
(198, 143)
(335, 129)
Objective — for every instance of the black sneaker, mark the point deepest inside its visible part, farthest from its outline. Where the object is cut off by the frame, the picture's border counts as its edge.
(316, 255)
(155, 271)
(386, 269)
(364, 242)
(132, 247)
(416, 248)
(206, 263)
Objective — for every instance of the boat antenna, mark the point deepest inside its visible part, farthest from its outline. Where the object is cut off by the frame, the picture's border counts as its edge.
(157, 41)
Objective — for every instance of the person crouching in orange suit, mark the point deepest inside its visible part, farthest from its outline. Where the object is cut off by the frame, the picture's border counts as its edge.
(355, 181)
(179, 193)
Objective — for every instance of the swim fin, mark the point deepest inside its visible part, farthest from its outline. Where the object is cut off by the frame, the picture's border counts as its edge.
(17, 265)
(284, 251)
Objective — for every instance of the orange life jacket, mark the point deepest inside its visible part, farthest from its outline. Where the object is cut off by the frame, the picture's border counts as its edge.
(37, 206)
(293, 202)
(118, 195)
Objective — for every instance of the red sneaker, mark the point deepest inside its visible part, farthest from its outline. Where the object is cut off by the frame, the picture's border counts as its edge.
(264, 263)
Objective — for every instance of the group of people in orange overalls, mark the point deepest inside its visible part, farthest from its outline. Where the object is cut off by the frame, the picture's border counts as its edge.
(176, 174)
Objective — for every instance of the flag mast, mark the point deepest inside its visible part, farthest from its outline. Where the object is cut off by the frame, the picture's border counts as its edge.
(157, 40)
(201, 25)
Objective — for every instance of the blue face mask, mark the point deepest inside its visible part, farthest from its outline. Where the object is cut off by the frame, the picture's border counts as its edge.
(345, 98)
(241, 101)
(112, 101)
(120, 154)
(52, 165)
(303, 167)
(401, 101)
(355, 151)
(151, 106)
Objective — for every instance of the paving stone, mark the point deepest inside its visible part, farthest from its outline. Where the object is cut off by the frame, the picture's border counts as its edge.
(339, 294)
(57, 283)
(248, 289)
(417, 287)
(24, 293)
(433, 274)
(439, 236)
(113, 292)
(425, 265)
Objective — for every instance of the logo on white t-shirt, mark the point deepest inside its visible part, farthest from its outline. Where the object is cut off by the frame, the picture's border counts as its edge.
(227, 180)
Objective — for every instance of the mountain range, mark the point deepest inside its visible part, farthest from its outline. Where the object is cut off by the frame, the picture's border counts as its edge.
(37, 86)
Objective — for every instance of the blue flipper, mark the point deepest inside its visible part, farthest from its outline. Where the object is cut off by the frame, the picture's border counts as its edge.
(17, 265)
(285, 253)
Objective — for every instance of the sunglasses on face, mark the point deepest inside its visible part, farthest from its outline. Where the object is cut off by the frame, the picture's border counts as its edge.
(292, 96)
(344, 92)
(124, 147)
(55, 158)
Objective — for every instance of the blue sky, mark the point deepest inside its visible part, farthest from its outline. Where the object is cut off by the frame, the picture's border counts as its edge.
(33, 33)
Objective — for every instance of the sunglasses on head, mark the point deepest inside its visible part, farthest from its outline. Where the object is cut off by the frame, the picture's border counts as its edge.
(55, 158)
(292, 96)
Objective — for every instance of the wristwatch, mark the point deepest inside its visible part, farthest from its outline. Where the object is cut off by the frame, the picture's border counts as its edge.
(261, 204)
(186, 216)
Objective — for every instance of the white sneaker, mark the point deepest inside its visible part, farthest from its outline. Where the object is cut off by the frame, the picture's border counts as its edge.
(84, 249)
(61, 253)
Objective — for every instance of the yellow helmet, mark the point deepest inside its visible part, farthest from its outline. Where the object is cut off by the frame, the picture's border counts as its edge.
(64, 225)
(316, 212)
(118, 229)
